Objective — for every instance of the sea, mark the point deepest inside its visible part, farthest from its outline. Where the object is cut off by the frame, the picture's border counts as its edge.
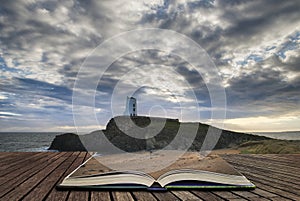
(26, 142)
(40, 142)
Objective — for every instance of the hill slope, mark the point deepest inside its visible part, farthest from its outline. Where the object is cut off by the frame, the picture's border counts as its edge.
(270, 147)
(141, 127)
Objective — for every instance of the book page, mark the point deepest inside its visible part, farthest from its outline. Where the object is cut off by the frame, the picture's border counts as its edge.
(189, 166)
(91, 167)
(189, 160)
(93, 172)
(193, 160)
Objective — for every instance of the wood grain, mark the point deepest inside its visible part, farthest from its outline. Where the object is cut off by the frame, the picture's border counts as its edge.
(34, 176)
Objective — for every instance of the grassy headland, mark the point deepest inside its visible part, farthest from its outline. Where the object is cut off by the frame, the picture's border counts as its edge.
(270, 147)
(131, 134)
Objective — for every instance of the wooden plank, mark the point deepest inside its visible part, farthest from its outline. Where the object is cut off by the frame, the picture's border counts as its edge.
(258, 199)
(245, 194)
(280, 199)
(39, 176)
(100, 196)
(261, 163)
(143, 196)
(286, 189)
(289, 160)
(272, 178)
(185, 195)
(43, 188)
(294, 158)
(18, 161)
(14, 157)
(6, 155)
(83, 193)
(267, 173)
(264, 193)
(122, 196)
(23, 176)
(260, 167)
(168, 196)
(276, 174)
(271, 182)
(62, 195)
(21, 169)
(207, 195)
(31, 182)
(265, 165)
(226, 194)
(282, 162)
(79, 196)
(278, 192)
(282, 193)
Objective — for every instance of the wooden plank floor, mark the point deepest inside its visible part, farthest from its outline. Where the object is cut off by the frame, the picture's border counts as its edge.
(33, 176)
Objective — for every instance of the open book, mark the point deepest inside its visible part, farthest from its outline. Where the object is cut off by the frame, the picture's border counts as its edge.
(189, 171)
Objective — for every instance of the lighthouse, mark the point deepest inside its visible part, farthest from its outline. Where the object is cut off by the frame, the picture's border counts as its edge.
(131, 106)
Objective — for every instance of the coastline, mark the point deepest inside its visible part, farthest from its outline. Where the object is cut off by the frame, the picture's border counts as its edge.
(40, 142)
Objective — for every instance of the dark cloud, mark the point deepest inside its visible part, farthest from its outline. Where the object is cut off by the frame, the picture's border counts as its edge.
(265, 14)
(32, 88)
(265, 84)
(264, 91)
(254, 44)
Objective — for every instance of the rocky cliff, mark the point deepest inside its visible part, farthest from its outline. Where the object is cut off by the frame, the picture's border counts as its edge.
(141, 136)
(67, 142)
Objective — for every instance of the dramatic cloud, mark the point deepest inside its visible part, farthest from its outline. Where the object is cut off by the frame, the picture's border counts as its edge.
(254, 44)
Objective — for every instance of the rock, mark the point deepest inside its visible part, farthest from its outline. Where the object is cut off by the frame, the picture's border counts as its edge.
(67, 142)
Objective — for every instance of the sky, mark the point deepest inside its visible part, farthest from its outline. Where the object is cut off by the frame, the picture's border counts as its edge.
(45, 44)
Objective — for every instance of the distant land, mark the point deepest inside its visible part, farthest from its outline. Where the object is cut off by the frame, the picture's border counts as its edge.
(245, 143)
(284, 135)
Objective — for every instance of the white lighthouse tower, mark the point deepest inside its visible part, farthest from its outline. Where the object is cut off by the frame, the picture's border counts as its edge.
(131, 106)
